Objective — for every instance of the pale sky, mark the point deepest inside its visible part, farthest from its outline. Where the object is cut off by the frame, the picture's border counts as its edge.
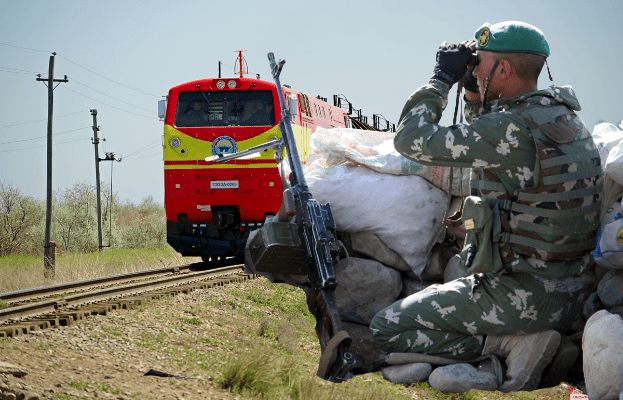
(121, 57)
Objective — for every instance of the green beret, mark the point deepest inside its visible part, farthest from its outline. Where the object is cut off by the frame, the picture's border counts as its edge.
(512, 37)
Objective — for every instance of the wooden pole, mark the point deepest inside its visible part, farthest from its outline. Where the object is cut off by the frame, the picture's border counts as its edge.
(49, 249)
(49, 267)
(97, 179)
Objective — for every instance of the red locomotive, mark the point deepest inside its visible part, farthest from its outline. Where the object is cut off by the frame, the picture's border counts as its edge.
(211, 207)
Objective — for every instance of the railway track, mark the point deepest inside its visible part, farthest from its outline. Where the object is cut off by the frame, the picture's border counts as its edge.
(63, 304)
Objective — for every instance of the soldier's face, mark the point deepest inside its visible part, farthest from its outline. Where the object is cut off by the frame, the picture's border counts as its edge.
(483, 70)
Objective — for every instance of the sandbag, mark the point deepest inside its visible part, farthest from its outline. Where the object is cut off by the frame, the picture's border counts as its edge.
(609, 251)
(608, 139)
(376, 151)
(405, 212)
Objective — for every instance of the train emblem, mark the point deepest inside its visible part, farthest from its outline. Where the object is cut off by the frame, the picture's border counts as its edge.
(224, 145)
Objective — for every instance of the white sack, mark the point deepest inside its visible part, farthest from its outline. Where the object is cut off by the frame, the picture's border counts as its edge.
(405, 212)
(614, 164)
(609, 251)
(376, 150)
(609, 138)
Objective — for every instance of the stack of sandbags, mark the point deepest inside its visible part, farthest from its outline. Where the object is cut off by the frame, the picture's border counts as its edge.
(389, 212)
(602, 334)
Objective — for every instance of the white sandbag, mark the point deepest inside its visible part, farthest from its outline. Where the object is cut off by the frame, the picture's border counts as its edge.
(609, 251)
(608, 138)
(376, 150)
(614, 164)
(405, 212)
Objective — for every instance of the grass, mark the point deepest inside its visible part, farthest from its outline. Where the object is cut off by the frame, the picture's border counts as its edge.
(254, 339)
(19, 272)
(266, 348)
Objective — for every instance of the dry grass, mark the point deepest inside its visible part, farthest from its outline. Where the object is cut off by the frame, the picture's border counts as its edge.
(255, 339)
(19, 272)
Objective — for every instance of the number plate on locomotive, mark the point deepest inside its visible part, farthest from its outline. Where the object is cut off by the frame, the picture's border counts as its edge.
(224, 185)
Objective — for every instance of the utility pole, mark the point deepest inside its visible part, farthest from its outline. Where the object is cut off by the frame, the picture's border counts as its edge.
(49, 251)
(97, 179)
(109, 157)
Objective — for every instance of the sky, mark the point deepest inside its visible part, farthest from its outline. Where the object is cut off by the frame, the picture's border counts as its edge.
(121, 57)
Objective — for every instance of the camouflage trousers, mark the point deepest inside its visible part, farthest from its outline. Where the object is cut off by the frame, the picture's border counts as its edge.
(451, 319)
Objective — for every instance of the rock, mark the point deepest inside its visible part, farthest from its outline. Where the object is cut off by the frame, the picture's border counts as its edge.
(457, 378)
(602, 347)
(9, 396)
(439, 258)
(453, 271)
(6, 368)
(600, 272)
(616, 310)
(29, 396)
(345, 238)
(407, 373)
(589, 280)
(563, 360)
(592, 305)
(362, 348)
(610, 289)
(577, 325)
(366, 287)
(412, 285)
(368, 244)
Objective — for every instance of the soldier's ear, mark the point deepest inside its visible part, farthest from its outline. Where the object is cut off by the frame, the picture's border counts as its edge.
(506, 68)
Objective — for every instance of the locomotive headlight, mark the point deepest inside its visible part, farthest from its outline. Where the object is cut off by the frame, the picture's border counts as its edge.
(270, 139)
(231, 84)
(174, 142)
(220, 84)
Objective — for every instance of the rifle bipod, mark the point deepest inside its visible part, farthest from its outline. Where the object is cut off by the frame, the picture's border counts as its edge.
(336, 361)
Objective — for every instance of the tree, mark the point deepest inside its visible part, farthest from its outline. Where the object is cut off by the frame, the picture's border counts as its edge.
(19, 215)
(75, 219)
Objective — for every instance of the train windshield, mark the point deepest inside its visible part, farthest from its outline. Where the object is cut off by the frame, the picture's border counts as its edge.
(225, 108)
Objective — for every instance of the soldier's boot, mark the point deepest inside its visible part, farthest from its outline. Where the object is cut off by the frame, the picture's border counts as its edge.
(526, 357)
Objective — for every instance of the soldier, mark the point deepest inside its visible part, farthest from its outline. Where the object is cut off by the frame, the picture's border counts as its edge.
(531, 220)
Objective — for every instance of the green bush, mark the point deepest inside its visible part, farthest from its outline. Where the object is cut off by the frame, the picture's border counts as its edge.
(74, 221)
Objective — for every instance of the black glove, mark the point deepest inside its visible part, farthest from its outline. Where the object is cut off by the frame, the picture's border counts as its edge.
(451, 63)
(471, 83)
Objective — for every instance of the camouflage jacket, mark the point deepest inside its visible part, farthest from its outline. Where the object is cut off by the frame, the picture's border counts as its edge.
(498, 146)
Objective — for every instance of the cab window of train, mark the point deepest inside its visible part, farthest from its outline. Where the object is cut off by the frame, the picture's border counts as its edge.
(225, 108)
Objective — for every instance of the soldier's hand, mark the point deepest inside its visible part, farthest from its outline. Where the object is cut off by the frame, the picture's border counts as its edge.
(452, 62)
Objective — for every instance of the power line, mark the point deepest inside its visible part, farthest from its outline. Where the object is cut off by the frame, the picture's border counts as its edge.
(41, 120)
(136, 158)
(85, 68)
(18, 71)
(101, 102)
(25, 48)
(41, 137)
(79, 83)
(40, 147)
(148, 147)
(102, 76)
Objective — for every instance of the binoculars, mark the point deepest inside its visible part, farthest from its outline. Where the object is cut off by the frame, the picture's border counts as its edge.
(473, 60)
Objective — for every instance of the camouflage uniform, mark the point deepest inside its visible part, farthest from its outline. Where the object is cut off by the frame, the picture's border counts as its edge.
(521, 289)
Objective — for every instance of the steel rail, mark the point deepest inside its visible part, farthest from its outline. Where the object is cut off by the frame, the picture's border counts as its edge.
(35, 309)
(63, 288)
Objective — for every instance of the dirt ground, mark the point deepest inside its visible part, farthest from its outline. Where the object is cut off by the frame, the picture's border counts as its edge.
(108, 356)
